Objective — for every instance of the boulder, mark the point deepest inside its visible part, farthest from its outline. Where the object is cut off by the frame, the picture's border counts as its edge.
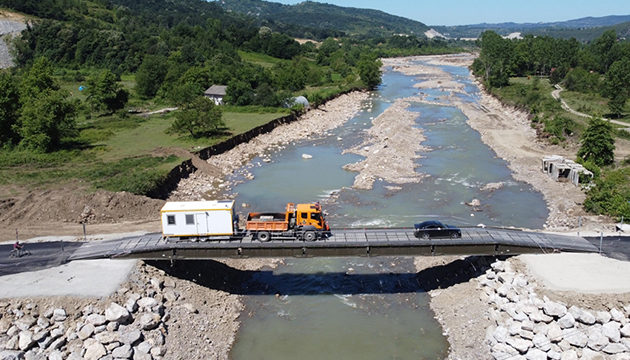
(541, 342)
(617, 316)
(555, 309)
(116, 313)
(575, 338)
(11, 355)
(596, 340)
(500, 334)
(554, 333)
(131, 337)
(569, 355)
(614, 348)
(603, 317)
(147, 302)
(123, 352)
(535, 354)
(567, 321)
(24, 323)
(59, 315)
(149, 321)
(86, 331)
(96, 319)
(521, 345)
(611, 330)
(107, 337)
(25, 340)
(625, 330)
(95, 351)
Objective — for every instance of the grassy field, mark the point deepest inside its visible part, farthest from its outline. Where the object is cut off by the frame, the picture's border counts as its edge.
(115, 152)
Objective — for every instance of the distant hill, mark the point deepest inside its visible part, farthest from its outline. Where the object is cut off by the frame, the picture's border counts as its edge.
(354, 22)
(583, 29)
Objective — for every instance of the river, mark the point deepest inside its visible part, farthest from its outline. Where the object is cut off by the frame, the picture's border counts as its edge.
(355, 308)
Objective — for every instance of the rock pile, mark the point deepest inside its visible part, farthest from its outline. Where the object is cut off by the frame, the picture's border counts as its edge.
(528, 327)
(130, 329)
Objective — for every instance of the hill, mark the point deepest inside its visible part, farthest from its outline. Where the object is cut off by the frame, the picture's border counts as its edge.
(583, 29)
(354, 22)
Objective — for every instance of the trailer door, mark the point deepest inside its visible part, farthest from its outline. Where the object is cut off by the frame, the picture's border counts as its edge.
(202, 222)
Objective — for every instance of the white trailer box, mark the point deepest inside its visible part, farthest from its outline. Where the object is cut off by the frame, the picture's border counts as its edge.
(198, 218)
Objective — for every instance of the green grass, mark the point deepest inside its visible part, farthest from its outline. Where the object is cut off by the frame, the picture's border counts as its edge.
(260, 59)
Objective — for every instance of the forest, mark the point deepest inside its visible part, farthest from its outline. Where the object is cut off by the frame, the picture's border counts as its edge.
(523, 72)
(82, 66)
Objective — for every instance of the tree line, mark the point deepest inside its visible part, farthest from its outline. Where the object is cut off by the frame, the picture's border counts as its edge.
(602, 66)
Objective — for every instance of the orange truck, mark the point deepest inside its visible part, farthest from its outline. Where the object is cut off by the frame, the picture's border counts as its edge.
(302, 222)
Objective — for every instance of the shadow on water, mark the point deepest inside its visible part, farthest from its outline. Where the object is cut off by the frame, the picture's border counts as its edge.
(218, 276)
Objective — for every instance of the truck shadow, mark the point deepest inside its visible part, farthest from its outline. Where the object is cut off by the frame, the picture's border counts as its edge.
(218, 276)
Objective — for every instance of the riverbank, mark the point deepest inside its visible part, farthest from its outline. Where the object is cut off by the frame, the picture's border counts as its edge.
(508, 132)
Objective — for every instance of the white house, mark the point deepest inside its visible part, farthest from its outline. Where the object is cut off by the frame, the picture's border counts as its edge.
(216, 93)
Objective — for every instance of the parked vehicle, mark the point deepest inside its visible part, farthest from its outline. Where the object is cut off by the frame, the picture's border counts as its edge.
(435, 229)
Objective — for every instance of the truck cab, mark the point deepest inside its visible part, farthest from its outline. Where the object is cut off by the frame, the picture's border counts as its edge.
(310, 215)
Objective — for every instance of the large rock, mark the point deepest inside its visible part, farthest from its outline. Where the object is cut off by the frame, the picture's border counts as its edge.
(520, 344)
(555, 309)
(147, 302)
(541, 342)
(596, 340)
(500, 334)
(617, 316)
(116, 313)
(567, 321)
(625, 331)
(95, 351)
(131, 337)
(536, 354)
(59, 315)
(25, 322)
(86, 331)
(123, 352)
(611, 330)
(614, 348)
(582, 316)
(11, 355)
(107, 337)
(603, 317)
(96, 319)
(25, 341)
(554, 333)
(575, 338)
(149, 321)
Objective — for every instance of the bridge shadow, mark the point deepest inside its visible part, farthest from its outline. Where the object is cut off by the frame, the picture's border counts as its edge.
(218, 276)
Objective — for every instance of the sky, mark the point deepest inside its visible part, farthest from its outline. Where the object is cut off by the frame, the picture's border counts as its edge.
(466, 12)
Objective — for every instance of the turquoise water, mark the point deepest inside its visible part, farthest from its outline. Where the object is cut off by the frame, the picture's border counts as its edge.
(355, 308)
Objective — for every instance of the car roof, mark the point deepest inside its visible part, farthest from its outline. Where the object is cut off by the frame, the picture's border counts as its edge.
(429, 222)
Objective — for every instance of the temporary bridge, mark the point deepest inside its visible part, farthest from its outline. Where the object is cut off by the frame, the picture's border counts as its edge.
(347, 242)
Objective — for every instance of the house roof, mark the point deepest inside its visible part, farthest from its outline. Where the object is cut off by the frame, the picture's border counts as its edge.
(216, 90)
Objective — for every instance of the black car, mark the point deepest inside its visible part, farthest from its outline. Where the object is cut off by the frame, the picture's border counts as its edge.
(435, 229)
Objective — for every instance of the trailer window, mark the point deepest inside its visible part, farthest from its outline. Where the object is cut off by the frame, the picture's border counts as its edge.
(190, 219)
(170, 219)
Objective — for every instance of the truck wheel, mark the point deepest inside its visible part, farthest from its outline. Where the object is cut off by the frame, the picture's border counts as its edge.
(263, 236)
(309, 236)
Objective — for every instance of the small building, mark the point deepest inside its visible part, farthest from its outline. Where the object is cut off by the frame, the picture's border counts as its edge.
(216, 93)
(561, 169)
(198, 218)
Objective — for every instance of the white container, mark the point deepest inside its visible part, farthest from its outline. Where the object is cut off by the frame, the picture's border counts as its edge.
(198, 218)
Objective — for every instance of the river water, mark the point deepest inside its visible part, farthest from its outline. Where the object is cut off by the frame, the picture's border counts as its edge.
(355, 308)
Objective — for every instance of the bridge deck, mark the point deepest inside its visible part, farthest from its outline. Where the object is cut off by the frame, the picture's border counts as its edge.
(368, 242)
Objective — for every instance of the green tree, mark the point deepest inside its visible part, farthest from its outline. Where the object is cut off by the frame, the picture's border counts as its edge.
(495, 56)
(598, 143)
(617, 85)
(239, 93)
(46, 120)
(201, 117)
(105, 93)
(9, 107)
(151, 75)
(370, 71)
